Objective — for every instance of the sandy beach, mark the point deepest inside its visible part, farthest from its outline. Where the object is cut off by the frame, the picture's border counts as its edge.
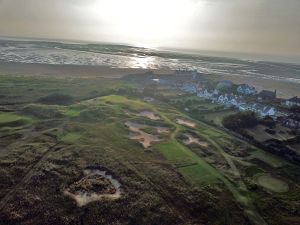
(284, 89)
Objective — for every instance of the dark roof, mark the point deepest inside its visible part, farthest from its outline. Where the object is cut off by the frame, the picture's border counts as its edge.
(267, 94)
(226, 81)
(295, 100)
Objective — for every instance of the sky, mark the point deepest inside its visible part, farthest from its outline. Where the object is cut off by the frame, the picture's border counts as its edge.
(270, 27)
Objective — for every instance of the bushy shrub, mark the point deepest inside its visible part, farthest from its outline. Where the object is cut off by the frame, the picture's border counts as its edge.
(57, 99)
(43, 111)
(240, 120)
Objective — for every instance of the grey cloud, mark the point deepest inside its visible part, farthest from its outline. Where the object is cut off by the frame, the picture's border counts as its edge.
(268, 26)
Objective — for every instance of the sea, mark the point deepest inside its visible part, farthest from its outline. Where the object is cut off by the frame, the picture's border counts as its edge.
(125, 56)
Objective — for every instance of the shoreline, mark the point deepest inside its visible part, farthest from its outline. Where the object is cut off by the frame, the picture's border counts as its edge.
(284, 89)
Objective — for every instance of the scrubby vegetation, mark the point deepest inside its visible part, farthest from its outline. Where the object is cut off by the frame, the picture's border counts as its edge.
(240, 120)
(57, 99)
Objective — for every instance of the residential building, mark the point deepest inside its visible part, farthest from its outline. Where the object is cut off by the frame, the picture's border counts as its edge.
(224, 84)
(267, 95)
(245, 89)
(295, 101)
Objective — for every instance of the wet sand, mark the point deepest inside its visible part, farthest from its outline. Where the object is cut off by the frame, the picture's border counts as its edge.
(69, 70)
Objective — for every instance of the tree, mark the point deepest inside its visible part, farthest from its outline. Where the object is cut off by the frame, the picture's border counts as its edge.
(240, 120)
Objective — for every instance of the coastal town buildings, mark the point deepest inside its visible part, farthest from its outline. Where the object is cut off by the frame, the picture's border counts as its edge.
(223, 84)
(246, 89)
(223, 94)
(267, 95)
(295, 101)
(291, 121)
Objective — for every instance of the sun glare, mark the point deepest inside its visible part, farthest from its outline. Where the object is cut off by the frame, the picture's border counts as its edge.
(148, 22)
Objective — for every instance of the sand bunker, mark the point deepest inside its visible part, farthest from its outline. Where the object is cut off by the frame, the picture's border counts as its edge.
(96, 185)
(193, 140)
(162, 130)
(150, 115)
(144, 138)
(186, 123)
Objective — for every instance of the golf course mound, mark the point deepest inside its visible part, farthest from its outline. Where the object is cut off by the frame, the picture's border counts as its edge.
(96, 185)
(12, 120)
(271, 183)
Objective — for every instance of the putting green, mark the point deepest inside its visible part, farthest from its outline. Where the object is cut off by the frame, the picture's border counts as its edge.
(11, 119)
(271, 183)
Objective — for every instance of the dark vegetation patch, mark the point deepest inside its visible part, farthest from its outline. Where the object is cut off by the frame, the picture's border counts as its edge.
(56, 99)
(253, 170)
(43, 111)
(240, 120)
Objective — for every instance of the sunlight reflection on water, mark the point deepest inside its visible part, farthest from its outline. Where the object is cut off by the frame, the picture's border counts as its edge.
(142, 62)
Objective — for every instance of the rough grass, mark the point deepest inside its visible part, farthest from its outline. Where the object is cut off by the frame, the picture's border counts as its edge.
(71, 137)
(124, 101)
(217, 117)
(44, 111)
(270, 159)
(72, 112)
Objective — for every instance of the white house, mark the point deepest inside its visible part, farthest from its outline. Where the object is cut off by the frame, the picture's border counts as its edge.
(204, 94)
(295, 101)
(189, 87)
(246, 89)
(263, 110)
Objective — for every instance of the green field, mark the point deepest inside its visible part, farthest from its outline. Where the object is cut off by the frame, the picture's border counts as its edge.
(217, 117)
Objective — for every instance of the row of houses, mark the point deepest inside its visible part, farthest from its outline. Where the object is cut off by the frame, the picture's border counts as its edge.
(230, 100)
(238, 100)
(291, 123)
(295, 101)
(259, 109)
(245, 89)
